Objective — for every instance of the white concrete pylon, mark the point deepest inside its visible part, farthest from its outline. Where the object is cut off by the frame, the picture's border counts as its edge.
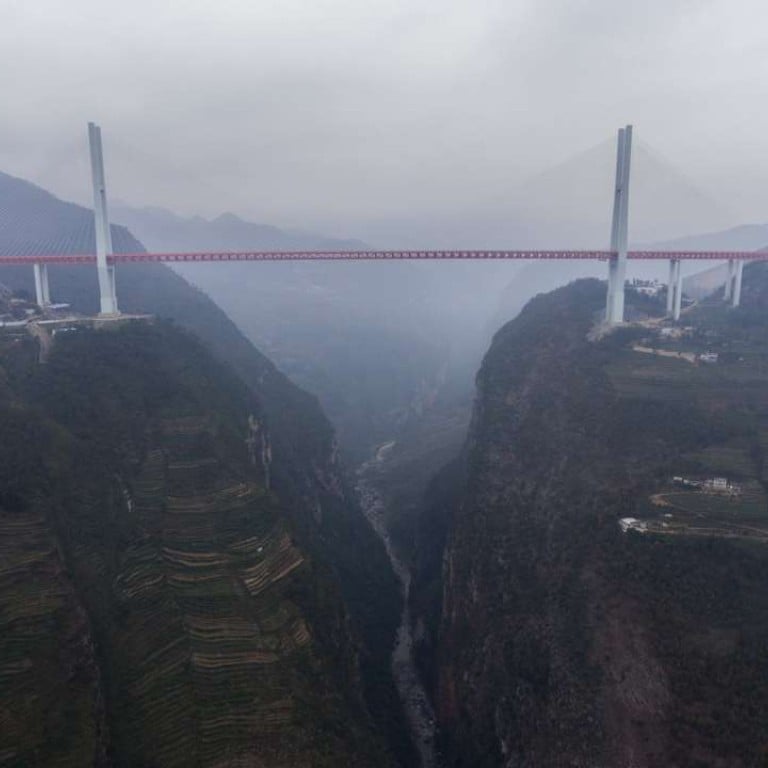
(671, 288)
(615, 227)
(737, 283)
(731, 273)
(44, 283)
(617, 269)
(107, 293)
(42, 292)
(678, 290)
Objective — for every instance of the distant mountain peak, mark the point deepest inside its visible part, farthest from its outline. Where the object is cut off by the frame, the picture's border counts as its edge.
(33, 221)
(227, 217)
(164, 230)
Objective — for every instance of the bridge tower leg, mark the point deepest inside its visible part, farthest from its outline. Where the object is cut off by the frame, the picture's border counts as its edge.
(613, 266)
(106, 271)
(728, 292)
(42, 292)
(671, 288)
(737, 283)
(678, 290)
(617, 267)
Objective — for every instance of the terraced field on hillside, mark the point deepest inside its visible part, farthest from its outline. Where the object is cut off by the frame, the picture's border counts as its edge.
(722, 410)
(46, 652)
(156, 608)
(206, 655)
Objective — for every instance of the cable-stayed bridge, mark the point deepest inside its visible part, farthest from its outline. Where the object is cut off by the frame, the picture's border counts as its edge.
(616, 256)
(385, 255)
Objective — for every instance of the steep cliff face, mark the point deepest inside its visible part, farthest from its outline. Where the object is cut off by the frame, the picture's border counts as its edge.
(158, 605)
(305, 471)
(372, 340)
(560, 640)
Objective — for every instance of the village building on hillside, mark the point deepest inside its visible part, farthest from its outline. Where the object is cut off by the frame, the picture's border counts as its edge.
(673, 332)
(646, 287)
(633, 524)
(713, 485)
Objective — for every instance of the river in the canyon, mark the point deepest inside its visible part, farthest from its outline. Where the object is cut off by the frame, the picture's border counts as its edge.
(418, 709)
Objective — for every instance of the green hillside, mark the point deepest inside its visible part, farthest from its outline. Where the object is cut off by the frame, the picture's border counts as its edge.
(305, 472)
(551, 636)
(158, 607)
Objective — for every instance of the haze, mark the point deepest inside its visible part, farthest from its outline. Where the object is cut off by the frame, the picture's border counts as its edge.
(412, 122)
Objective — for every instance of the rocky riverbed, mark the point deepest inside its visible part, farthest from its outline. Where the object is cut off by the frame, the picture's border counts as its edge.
(415, 701)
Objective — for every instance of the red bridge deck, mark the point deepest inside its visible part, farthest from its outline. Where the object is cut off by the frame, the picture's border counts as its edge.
(123, 258)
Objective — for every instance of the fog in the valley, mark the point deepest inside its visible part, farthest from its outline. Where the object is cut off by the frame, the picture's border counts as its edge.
(418, 122)
(339, 124)
(415, 510)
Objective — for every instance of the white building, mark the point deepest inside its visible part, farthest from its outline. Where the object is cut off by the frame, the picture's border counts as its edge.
(646, 287)
(675, 333)
(711, 485)
(633, 524)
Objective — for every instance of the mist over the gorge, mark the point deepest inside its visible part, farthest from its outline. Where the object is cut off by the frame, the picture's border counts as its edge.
(263, 508)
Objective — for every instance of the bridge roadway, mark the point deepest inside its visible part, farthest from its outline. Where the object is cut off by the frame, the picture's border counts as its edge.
(593, 255)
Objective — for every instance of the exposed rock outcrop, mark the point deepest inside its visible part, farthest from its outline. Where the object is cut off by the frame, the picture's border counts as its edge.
(158, 603)
(560, 640)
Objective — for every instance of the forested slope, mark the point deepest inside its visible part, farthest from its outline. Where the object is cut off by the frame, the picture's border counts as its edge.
(159, 608)
(305, 470)
(551, 637)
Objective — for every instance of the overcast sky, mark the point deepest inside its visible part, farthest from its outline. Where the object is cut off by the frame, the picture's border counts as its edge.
(354, 115)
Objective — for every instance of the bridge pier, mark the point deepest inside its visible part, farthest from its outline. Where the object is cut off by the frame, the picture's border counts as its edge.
(678, 301)
(728, 291)
(105, 271)
(736, 299)
(617, 266)
(675, 289)
(671, 288)
(42, 291)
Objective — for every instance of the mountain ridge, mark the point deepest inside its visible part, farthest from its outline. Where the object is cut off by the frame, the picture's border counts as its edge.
(306, 472)
(551, 637)
(203, 619)
(162, 230)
